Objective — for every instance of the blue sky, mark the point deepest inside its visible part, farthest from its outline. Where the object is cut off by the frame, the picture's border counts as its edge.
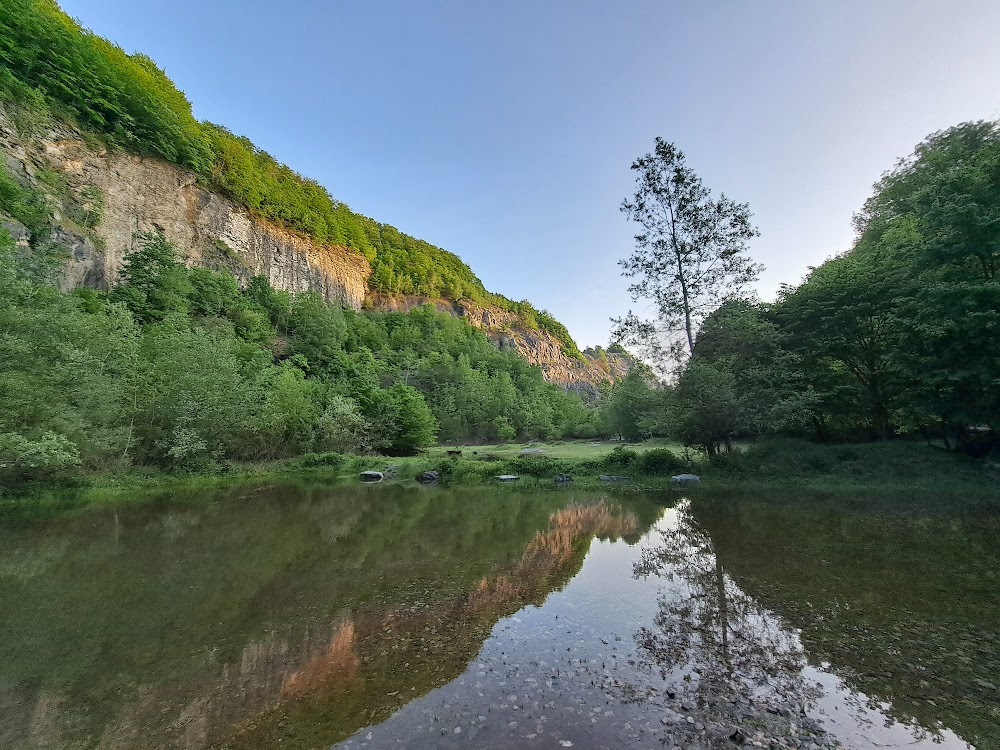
(504, 131)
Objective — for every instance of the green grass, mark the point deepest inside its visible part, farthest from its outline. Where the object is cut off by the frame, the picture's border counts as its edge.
(573, 450)
(898, 471)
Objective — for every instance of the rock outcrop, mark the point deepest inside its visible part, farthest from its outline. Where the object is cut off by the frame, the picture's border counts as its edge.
(126, 194)
(102, 199)
(506, 331)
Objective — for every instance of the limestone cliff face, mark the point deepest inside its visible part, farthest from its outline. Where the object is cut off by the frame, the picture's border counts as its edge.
(136, 194)
(506, 332)
(101, 199)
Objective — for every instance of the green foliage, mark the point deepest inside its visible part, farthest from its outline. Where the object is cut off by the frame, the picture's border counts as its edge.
(660, 462)
(23, 204)
(321, 461)
(124, 97)
(180, 368)
(50, 63)
(49, 452)
(739, 382)
(690, 252)
(621, 458)
(153, 283)
(626, 403)
(404, 419)
(895, 336)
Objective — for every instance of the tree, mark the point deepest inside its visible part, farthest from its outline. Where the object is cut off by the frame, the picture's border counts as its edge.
(153, 283)
(404, 423)
(626, 402)
(951, 186)
(689, 256)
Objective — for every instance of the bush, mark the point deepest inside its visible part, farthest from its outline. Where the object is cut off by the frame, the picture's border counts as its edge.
(621, 458)
(321, 460)
(22, 458)
(659, 462)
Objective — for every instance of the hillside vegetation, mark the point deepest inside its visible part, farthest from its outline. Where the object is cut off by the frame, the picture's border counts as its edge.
(181, 369)
(51, 66)
(897, 336)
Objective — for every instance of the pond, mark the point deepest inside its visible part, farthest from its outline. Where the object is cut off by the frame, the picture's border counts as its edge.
(307, 616)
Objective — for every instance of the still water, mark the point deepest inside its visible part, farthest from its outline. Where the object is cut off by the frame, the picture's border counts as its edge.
(304, 616)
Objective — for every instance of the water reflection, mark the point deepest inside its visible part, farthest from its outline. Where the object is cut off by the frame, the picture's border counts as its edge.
(897, 607)
(707, 623)
(274, 613)
(299, 616)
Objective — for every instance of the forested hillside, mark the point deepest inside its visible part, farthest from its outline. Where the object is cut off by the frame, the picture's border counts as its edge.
(898, 336)
(50, 66)
(178, 367)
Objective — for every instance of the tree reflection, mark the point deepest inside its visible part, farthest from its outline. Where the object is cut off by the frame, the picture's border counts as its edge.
(707, 630)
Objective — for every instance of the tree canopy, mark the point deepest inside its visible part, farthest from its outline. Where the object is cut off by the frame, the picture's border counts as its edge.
(896, 336)
(690, 254)
(180, 368)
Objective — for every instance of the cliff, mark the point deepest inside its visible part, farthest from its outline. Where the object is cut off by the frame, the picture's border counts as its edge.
(100, 199)
(507, 332)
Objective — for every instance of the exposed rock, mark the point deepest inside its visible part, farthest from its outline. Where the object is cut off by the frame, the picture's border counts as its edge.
(505, 330)
(144, 194)
(17, 231)
(85, 265)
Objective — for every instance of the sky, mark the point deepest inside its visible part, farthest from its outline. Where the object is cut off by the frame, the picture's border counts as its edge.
(504, 131)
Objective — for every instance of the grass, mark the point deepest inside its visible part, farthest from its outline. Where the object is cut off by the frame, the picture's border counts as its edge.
(574, 450)
(901, 472)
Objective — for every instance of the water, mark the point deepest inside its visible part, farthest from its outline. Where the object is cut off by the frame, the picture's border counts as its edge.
(302, 616)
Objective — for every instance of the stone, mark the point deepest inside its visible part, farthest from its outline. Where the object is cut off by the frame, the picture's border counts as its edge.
(684, 480)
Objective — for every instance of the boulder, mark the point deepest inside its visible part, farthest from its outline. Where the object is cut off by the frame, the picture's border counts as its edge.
(428, 477)
(684, 480)
(372, 476)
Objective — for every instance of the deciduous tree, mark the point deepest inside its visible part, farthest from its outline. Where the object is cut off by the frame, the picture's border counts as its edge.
(690, 255)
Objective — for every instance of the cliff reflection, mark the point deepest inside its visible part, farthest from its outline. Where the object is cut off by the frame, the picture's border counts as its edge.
(242, 625)
(406, 652)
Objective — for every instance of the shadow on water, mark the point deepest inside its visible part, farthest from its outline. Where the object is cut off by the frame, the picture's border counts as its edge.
(292, 613)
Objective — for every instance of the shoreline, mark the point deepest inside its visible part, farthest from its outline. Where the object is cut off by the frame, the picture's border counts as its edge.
(98, 490)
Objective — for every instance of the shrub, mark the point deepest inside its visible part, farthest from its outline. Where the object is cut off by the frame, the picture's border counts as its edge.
(23, 458)
(659, 462)
(621, 458)
(321, 460)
